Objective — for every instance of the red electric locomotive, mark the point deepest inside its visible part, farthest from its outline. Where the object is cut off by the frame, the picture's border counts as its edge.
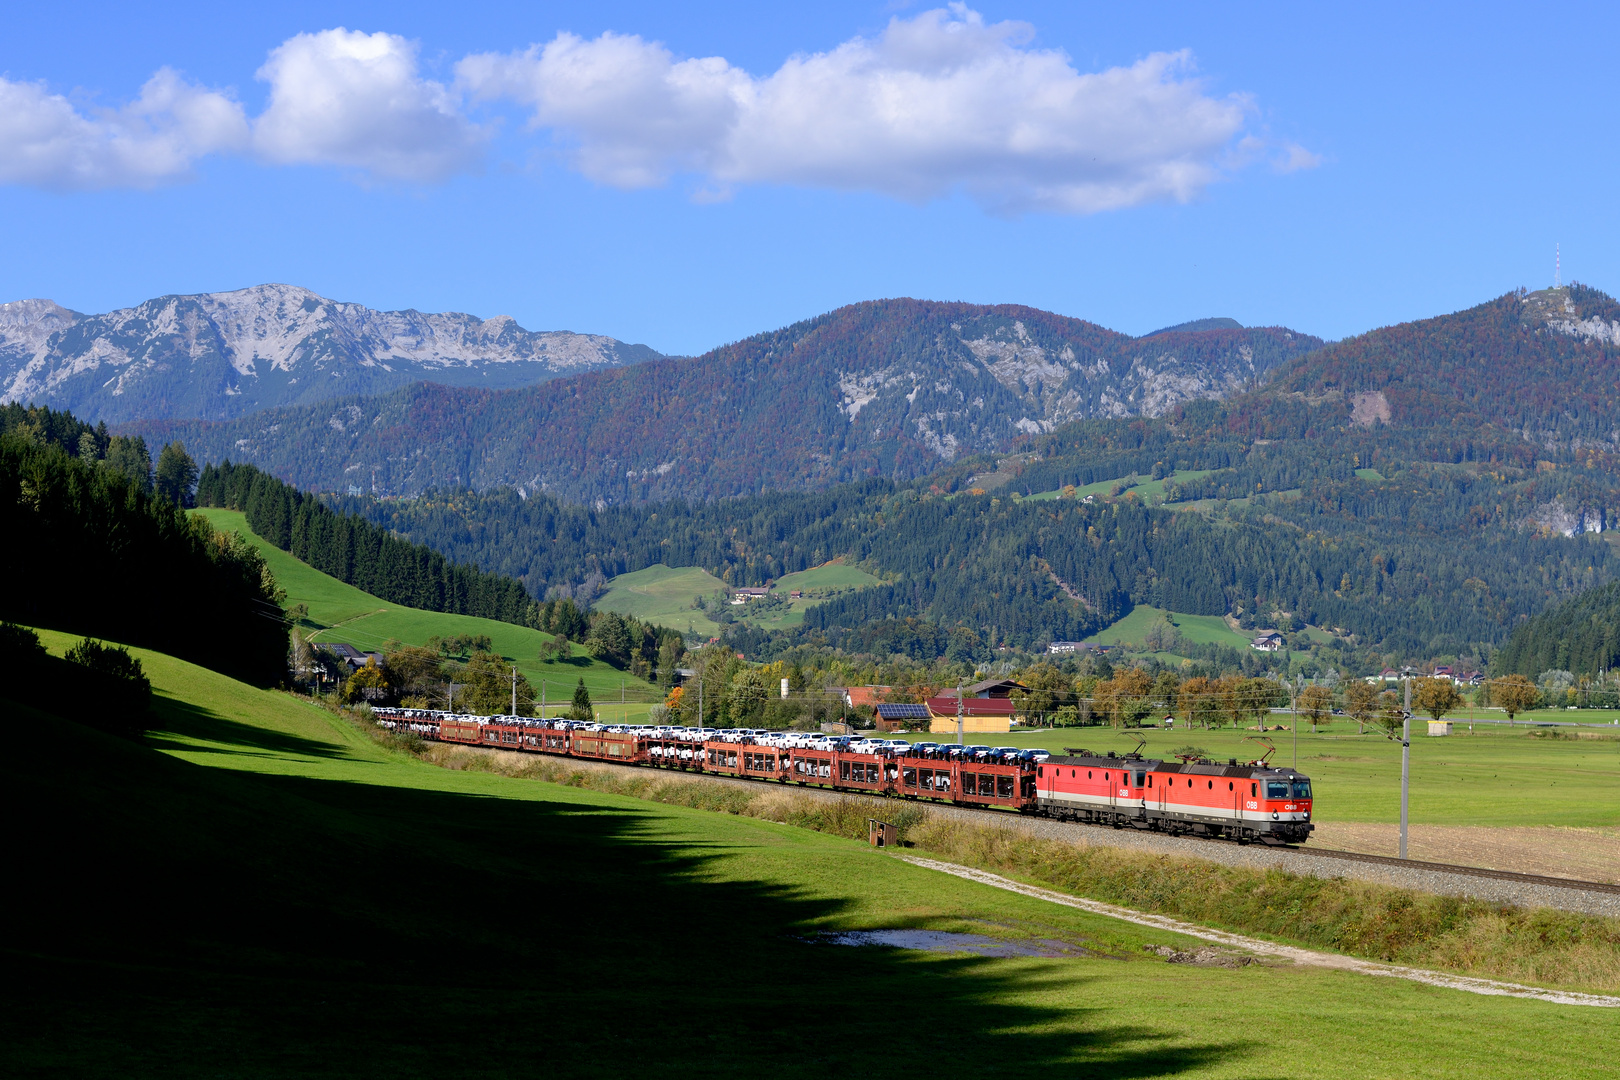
(1243, 802)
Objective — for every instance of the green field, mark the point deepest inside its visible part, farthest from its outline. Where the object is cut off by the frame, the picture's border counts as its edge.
(342, 613)
(275, 894)
(663, 595)
(1371, 474)
(1201, 629)
(1147, 490)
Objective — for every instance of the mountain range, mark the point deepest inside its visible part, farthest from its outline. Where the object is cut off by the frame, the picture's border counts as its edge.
(215, 356)
(890, 388)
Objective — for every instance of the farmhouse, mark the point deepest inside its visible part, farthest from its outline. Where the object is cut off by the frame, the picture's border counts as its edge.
(989, 688)
(1267, 641)
(351, 656)
(1059, 647)
(747, 593)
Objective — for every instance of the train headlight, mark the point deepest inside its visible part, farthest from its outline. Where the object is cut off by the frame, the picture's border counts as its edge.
(1274, 815)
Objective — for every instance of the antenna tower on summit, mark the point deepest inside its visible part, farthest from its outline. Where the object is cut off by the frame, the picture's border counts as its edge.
(1558, 266)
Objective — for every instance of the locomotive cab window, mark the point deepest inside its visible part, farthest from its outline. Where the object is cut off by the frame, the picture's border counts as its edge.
(1276, 789)
(1138, 779)
(1302, 789)
(1252, 788)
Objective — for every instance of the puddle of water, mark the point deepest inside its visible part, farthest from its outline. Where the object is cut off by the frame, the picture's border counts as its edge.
(943, 942)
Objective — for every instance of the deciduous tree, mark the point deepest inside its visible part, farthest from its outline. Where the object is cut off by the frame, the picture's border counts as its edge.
(1361, 702)
(1513, 694)
(1315, 702)
(1436, 697)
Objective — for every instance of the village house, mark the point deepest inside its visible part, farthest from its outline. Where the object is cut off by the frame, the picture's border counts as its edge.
(746, 593)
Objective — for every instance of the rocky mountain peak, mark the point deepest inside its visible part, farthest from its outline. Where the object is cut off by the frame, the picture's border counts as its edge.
(219, 355)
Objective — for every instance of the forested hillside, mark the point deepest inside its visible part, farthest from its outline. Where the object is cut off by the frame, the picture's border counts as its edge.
(91, 550)
(1410, 564)
(1580, 636)
(1540, 365)
(889, 388)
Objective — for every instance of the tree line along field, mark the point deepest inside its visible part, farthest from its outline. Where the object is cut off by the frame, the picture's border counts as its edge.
(315, 942)
(343, 613)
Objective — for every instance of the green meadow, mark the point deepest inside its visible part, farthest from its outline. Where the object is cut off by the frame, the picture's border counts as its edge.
(663, 595)
(1494, 776)
(343, 613)
(1147, 490)
(264, 890)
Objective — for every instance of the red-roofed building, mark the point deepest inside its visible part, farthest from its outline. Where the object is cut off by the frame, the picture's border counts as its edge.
(859, 697)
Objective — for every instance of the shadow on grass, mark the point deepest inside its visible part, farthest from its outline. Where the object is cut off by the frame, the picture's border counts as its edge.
(273, 925)
(171, 716)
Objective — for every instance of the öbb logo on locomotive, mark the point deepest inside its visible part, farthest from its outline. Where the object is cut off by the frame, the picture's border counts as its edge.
(1247, 801)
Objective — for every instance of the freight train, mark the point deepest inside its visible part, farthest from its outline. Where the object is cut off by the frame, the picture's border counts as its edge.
(1245, 802)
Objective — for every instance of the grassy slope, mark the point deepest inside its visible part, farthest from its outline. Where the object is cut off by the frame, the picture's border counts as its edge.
(293, 899)
(833, 575)
(663, 595)
(1202, 629)
(345, 614)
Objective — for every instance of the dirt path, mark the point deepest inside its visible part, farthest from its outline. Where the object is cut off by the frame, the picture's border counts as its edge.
(1267, 948)
(1586, 854)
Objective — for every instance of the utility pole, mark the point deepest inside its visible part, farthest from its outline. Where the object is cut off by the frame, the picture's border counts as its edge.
(959, 704)
(1406, 757)
(701, 673)
(1293, 708)
(514, 690)
(450, 698)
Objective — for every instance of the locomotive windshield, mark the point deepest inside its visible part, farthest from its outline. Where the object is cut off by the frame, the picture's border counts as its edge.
(1302, 789)
(1276, 789)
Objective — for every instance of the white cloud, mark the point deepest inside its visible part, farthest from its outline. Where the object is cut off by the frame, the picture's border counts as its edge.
(1293, 157)
(46, 142)
(939, 102)
(346, 98)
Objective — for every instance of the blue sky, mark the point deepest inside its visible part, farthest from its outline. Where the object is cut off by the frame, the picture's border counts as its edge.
(1321, 167)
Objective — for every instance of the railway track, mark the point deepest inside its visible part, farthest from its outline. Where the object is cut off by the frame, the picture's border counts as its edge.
(1449, 868)
(1327, 853)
